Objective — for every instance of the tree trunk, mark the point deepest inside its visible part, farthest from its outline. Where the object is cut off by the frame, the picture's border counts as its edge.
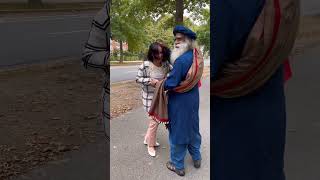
(179, 12)
(35, 3)
(121, 52)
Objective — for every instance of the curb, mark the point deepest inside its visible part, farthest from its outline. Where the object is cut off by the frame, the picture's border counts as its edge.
(130, 63)
(122, 82)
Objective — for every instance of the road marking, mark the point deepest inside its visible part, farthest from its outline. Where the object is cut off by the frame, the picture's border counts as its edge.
(68, 32)
(128, 72)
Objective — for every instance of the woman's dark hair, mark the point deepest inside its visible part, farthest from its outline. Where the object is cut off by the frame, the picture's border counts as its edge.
(153, 51)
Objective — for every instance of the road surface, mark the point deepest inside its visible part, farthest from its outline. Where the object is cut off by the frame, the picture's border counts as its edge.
(40, 38)
(303, 120)
(310, 7)
(123, 73)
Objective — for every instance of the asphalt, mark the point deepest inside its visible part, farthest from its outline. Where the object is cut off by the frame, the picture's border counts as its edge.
(310, 7)
(303, 120)
(123, 73)
(40, 38)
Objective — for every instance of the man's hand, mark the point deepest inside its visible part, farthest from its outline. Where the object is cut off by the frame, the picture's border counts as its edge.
(153, 82)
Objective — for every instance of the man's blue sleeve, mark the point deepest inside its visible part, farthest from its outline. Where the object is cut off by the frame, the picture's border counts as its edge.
(175, 76)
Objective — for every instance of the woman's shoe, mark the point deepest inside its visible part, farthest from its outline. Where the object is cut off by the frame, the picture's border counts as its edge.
(145, 143)
(151, 151)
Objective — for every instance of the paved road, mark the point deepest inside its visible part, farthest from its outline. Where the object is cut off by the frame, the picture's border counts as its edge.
(303, 102)
(37, 38)
(310, 7)
(123, 73)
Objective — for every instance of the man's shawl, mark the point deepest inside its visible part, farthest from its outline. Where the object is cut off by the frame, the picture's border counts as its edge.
(159, 105)
(266, 48)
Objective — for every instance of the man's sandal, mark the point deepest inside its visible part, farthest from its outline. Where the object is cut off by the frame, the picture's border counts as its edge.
(171, 167)
(197, 163)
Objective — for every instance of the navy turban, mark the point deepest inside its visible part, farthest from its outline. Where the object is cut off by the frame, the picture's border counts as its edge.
(186, 31)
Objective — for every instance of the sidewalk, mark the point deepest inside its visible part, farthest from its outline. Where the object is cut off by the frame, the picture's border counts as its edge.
(303, 123)
(129, 157)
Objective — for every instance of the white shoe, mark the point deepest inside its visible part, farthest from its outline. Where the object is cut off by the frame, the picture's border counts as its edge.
(151, 151)
(145, 143)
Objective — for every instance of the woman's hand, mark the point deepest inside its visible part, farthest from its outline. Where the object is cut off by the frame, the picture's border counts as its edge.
(153, 82)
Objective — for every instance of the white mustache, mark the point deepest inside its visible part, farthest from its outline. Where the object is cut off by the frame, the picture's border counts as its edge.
(178, 51)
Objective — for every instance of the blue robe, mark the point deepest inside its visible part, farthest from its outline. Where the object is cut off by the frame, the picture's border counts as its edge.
(183, 108)
(247, 133)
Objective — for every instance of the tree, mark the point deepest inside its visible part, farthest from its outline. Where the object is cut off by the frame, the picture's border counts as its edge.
(160, 29)
(127, 24)
(179, 11)
(157, 8)
(203, 31)
(141, 22)
(176, 8)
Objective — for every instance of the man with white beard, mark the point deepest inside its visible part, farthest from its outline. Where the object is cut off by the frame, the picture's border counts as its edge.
(183, 106)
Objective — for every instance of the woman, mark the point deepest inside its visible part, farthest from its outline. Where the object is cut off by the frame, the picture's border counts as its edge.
(155, 68)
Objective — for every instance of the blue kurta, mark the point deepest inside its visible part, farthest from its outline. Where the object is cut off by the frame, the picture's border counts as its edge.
(247, 133)
(183, 108)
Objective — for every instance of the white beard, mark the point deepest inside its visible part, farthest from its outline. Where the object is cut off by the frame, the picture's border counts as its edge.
(177, 52)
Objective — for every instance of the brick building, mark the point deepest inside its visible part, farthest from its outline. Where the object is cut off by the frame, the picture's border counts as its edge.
(115, 46)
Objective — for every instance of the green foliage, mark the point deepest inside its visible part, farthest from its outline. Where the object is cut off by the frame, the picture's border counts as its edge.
(156, 7)
(141, 22)
(160, 30)
(203, 31)
(127, 22)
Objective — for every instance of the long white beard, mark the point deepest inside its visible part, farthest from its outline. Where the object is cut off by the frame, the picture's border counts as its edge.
(177, 52)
